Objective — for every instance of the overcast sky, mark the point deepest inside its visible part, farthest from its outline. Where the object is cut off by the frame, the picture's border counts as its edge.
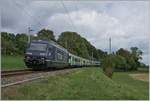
(126, 22)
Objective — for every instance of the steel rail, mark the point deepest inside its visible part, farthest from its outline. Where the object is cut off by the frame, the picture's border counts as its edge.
(15, 72)
(6, 71)
(19, 82)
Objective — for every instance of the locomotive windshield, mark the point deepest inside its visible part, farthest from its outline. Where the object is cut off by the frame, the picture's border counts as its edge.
(38, 46)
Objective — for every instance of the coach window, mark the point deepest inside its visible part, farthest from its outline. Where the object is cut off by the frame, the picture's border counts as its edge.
(59, 56)
(69, 57)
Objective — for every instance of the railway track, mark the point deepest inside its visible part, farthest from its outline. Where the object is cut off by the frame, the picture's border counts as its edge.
(15, 72)
(15, 77)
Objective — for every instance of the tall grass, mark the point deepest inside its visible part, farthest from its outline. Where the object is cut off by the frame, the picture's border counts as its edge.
(12, 62)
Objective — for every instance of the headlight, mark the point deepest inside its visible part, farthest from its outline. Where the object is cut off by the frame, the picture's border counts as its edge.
(27, 57)
(28, 53)
(42, 54)
(42, 58)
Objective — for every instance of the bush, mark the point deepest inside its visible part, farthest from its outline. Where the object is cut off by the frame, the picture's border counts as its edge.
(120, 63)
(108, 65)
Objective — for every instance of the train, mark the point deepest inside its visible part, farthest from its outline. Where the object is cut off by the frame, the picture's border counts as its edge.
(42, 54)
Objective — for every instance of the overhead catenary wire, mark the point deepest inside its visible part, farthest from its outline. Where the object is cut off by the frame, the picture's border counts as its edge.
(77, 9)
(65, 8)
(27, 12)
(67, 12)
(30, 15)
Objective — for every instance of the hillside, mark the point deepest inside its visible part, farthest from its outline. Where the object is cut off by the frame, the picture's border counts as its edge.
(78, 45)
(84, 83)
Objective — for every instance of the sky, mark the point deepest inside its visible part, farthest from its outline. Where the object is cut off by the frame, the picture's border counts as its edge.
(126, 22)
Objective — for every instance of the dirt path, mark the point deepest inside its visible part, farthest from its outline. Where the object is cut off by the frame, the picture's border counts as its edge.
(140, 76)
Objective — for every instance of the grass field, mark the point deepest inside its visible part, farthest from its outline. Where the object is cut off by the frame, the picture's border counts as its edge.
(12, 62)
(85, 83)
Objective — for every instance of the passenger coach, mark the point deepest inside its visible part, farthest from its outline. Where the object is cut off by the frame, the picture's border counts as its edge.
(44, 54)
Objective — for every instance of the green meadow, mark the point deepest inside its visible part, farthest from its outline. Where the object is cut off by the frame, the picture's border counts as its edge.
(12, 62)
(83, 84)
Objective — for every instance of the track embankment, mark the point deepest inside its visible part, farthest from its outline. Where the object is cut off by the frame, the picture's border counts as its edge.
(10, 78)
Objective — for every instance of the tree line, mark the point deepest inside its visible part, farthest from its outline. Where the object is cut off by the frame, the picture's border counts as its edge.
(123, 59)
(16, 44)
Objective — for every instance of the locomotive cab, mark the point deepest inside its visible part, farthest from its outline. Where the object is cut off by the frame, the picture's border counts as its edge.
(36, 54)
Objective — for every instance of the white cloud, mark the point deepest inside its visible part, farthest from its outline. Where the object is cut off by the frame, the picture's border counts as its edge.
(127, 22)
(126, 31)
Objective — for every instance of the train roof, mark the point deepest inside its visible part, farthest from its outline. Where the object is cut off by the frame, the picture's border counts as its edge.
(60, 47)
(82, 58)
(52, 43)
